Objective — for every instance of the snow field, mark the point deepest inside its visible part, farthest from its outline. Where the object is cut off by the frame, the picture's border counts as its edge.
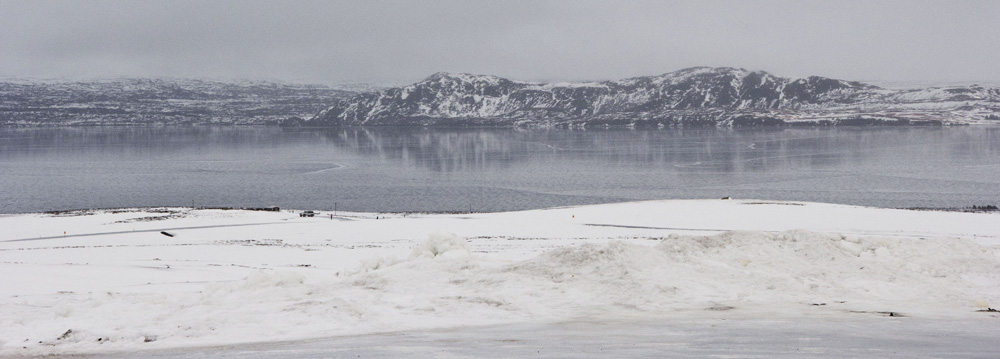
(304, 278)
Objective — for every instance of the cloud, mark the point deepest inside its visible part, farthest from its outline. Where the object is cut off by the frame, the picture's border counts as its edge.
(401, 41)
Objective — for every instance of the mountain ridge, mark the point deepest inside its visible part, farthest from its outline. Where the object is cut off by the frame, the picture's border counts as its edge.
(696, 96)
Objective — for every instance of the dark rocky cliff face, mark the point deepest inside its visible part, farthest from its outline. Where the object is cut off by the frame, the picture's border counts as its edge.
(695, 96)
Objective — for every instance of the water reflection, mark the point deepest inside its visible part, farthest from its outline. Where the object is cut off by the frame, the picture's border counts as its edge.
(439, 151)
(470, 150)
(692, 150)
(698, 150)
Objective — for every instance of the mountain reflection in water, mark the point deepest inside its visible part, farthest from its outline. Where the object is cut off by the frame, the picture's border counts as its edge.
(699, 150)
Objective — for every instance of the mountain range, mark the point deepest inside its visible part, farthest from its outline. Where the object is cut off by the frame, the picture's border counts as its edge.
(140, 101)
(699, 96)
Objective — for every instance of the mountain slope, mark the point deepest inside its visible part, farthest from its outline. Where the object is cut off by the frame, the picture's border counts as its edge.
(694, 96)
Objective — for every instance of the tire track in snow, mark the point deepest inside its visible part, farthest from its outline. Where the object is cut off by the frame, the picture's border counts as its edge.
(142, 231)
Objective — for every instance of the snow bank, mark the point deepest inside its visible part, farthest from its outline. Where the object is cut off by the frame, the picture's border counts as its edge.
(749, 274)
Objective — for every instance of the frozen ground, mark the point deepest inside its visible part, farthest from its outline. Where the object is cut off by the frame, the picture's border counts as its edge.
(109, 281)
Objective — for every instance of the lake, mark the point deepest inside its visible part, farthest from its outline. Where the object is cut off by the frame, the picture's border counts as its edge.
(487, 170)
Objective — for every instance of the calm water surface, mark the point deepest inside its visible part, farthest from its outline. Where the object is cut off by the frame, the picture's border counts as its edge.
(417, 169)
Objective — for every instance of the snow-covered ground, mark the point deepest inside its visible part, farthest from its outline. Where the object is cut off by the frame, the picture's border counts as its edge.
(105, 281)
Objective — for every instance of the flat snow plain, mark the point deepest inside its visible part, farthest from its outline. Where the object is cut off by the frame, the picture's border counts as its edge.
(107, 281)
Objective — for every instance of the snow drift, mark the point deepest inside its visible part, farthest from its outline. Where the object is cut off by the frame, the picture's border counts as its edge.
(441, 284)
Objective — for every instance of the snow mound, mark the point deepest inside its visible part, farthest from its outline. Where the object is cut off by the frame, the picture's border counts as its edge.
(437, 245)
(441, 244)
(262, 278)
(735, 274)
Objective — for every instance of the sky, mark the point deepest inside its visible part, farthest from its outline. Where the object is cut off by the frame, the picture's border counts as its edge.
(397, 42)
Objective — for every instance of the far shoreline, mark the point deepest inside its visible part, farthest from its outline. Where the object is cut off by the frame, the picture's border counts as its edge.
(975, 208)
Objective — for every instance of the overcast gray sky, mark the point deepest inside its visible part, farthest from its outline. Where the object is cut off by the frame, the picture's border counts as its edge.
(404, 41)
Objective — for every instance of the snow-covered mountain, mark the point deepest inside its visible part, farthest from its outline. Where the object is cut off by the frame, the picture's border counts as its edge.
(142, 101)
(690, 97)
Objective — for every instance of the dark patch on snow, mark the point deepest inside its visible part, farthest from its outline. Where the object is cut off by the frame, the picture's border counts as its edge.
(720, 308)
(885, 314)
(65, 335)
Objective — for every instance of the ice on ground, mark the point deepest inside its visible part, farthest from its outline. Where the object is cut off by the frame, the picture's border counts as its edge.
(287, 289)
